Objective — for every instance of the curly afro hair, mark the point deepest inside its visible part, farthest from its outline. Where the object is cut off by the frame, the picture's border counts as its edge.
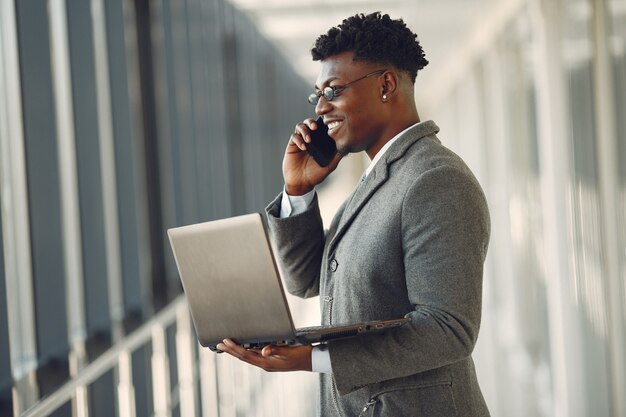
(373, 38)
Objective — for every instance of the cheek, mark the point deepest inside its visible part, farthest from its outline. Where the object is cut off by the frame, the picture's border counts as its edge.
(355, 116)
(359, 123)
(358, 114)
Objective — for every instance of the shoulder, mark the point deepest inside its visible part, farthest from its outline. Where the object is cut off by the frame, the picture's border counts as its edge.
(426, 158)
(437, 181)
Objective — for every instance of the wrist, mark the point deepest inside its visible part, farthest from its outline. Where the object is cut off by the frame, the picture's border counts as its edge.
(308, 359)
(297, 190)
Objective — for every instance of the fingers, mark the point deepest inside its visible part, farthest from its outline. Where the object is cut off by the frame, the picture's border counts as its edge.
(250, 356)
(238, 351)
(274, 351)
(301, 135)
(267, 351)
(271, 358)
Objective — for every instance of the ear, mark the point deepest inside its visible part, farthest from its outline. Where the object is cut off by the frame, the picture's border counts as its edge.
(388, 85)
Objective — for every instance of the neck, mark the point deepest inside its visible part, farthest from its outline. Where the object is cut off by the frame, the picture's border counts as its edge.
(397, 125)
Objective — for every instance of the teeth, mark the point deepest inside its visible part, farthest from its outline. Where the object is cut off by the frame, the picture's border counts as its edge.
(333, 125)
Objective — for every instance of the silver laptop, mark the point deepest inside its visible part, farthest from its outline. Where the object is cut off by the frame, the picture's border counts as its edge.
(234, 290)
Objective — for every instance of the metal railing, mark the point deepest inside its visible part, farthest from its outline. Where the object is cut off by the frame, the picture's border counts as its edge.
(226, 387)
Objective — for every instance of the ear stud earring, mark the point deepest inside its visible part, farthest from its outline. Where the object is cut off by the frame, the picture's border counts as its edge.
(384, 97)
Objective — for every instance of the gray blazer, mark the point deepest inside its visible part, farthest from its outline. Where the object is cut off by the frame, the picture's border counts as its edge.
(411, 240)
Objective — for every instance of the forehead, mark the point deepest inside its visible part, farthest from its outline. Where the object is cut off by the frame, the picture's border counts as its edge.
(339, 67)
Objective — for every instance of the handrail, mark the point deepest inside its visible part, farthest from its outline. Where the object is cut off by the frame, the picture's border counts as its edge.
(107, 360)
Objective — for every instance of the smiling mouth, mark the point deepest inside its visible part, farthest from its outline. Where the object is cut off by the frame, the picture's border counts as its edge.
(333, 125)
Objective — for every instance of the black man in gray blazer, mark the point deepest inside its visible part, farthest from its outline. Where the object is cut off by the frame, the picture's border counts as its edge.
(409, 241)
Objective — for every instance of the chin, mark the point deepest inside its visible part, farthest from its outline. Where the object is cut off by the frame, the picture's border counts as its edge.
(344, 147)
(343, 150)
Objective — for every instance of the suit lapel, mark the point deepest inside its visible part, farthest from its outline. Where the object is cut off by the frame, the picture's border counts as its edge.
(379, 175)
(357, 200)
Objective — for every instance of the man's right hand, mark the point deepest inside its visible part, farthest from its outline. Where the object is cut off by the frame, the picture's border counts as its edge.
(300, 171)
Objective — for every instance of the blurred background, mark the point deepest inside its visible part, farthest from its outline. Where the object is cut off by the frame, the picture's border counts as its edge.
(122, 118)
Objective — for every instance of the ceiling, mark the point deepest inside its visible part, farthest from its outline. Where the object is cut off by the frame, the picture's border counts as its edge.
(443, 26)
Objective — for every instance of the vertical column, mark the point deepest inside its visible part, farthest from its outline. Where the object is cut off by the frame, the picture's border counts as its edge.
(15, 220)
(130, 193)
(566, 350)
(165, 134)
(233, 128)
(208, 383)
(160, 373)
(108, 172)
(185, 358)
(125, 388)
(606, 134)
(226, 398)
(219, 162)
(183, 113)
(44, 193)
(70, 217)
(249, 116)
(498, 287)
(199, 74)
(141, 82)
(122, 375)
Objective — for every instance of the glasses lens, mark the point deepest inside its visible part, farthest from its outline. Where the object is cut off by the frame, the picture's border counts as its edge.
(314, 98)
(328, 93)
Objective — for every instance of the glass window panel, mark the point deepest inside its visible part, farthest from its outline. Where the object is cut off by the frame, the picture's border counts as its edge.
(589, 284)
(182, 98)
(525, 216)
(172, 351)
(617, 46)
(221, 182)
(102, 401)
(249, 105)
(129, 195)
(515, 287)
(171, 201)
(141, 79)
(269, 130)
(617, 49)
(199, 80)
(43, 192)
(142, 381)
(86, 137)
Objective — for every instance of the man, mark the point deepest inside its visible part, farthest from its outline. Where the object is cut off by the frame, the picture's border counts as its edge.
(411, 239)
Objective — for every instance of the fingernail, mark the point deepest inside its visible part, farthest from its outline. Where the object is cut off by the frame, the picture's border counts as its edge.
(308, 138)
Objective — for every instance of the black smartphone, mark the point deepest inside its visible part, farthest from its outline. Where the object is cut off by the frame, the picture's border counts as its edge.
(322, 147)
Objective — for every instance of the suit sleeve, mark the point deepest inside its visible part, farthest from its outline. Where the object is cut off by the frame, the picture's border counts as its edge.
(299, 243)
(445, 232)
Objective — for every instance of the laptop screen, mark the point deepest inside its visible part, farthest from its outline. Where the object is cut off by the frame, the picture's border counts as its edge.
(231, 281)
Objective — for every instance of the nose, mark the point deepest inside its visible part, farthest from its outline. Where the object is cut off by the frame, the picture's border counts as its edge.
(322, 106)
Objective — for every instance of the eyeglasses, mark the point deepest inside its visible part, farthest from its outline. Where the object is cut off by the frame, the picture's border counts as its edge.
(330, 93)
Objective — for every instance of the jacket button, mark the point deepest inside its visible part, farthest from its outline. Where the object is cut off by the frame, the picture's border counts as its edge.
(333, 265)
